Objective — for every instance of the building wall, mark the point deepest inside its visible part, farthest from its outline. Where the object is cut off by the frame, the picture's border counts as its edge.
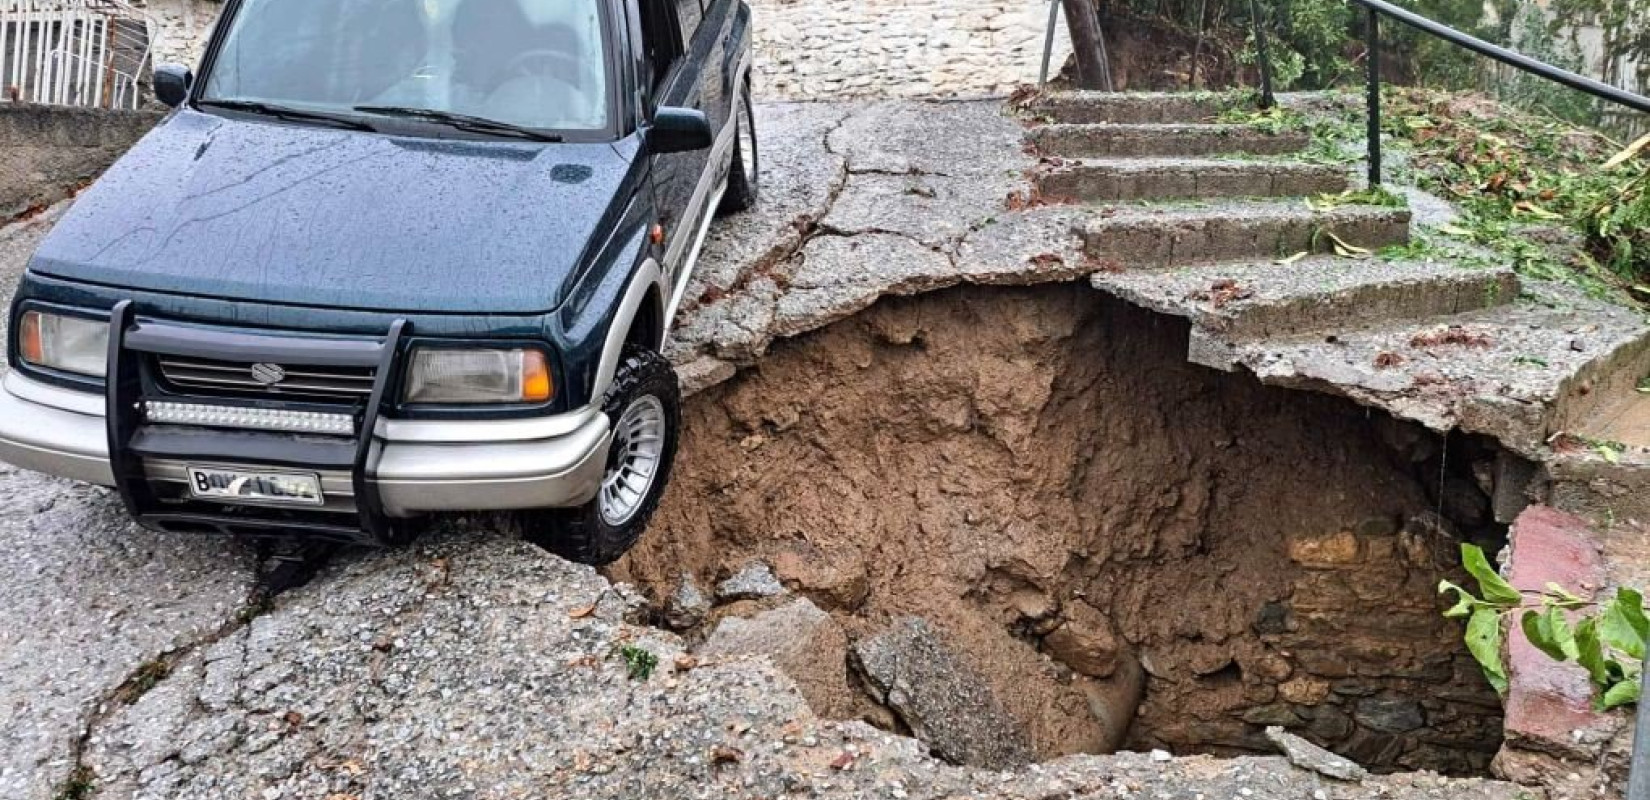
(820, 49)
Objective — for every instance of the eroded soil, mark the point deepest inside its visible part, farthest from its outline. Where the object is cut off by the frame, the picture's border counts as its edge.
(1040, 474)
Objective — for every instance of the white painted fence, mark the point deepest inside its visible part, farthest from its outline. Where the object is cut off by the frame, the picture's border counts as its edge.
(73, 52)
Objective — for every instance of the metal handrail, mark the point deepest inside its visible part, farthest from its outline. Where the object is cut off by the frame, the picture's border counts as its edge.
(1372, 33)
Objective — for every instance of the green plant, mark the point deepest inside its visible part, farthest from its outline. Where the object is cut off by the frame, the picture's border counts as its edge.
(638, 661)
(1514, 175)
(1605, 639)
(78, 786)
(1272, 121)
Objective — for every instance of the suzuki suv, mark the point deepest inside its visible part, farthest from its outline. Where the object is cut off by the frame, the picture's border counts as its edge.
(389, 258)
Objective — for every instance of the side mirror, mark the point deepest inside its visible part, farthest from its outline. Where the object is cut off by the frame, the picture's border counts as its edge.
(679, 130)
(172, 83)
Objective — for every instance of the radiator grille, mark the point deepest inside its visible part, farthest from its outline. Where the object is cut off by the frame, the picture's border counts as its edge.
(204, 376)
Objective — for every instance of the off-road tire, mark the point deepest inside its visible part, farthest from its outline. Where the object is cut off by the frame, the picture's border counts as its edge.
(743, 188)
(582, 534)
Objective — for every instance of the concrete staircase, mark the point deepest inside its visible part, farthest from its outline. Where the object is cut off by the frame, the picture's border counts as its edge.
(1227, 226)
(1216, 222)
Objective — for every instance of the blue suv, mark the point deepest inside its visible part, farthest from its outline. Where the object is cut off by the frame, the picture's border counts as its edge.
(389, 258)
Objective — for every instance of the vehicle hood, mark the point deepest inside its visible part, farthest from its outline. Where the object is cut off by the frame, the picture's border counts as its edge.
(252, 210)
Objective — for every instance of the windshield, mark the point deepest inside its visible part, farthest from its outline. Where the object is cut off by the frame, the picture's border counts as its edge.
(530, 63)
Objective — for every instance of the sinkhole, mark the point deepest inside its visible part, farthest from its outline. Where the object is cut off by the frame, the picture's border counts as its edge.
(1119, 549)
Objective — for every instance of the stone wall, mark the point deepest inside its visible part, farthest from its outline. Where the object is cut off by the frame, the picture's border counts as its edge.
(807, 49)
(183, 28)
(47, 152)
(814, 49)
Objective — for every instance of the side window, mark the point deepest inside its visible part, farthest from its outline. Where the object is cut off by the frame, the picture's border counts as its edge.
(689, 13)
(661, 37)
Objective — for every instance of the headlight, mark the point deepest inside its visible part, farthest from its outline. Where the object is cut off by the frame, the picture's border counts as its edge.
(440, 375)
(67, 344)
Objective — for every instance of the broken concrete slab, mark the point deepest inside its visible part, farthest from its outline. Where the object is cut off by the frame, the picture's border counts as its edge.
(1155, 236)
(753, 581)
(1269, 298)
(1309, 756)
(800, 180)
(1192, 140)
(955, 138)
(803, 641)
(840, 275)
(939, 697)
(1121, 180)
(1505, 371)
(936, 210)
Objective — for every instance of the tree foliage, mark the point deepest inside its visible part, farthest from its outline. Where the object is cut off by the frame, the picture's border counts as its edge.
(1605, 639)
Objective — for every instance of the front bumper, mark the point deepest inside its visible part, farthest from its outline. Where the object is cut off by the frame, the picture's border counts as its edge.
(416, 466)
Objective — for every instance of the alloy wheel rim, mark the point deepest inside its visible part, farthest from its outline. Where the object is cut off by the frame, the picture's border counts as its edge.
(634, 459)
(747, 143)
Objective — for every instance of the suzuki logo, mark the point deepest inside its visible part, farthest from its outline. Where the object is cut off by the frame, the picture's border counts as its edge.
(268, 374)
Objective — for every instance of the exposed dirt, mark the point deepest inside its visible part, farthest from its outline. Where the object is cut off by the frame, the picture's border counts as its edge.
(1039, 473)
(1148, 54)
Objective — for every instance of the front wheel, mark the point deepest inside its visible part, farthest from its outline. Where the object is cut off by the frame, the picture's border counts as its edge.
(745, 174)
(645, 409)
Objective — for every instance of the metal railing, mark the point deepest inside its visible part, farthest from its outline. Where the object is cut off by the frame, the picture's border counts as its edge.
(74, 52)
(1372, 37)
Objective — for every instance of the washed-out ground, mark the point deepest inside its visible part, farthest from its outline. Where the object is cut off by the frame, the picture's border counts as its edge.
(472, 665)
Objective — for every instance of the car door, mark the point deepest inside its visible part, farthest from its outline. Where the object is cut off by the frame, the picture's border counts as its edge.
(676, 45)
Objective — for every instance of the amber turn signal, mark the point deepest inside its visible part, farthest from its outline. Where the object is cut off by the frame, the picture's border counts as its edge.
(30, 344)
(536, 386)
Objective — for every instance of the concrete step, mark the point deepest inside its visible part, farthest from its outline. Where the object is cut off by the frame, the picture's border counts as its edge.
(1506, 371)
(1603, 402)
(1323, 293)
(1125, 180)
(1625, 420)
(1131, 107)
(1106, 140)
(1144, 236)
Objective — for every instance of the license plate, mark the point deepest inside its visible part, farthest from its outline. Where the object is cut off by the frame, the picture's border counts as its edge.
(233, 485)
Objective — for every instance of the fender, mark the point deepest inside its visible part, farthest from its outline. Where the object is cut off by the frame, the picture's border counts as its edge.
(647, 276)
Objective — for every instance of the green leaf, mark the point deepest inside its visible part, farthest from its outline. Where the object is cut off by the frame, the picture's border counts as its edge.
(1464, 602)
(1550, 633)
(1484, 642)
(1617, 630)
(1631, 603)
(1621, 694)
(1496, 590)
(1590, 652)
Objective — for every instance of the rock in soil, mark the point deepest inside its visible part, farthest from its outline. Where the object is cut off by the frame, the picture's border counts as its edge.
(687, 605)
(940, 698)
(803, 641)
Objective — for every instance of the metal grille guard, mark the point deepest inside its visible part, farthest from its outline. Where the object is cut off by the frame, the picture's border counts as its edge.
(130, 440)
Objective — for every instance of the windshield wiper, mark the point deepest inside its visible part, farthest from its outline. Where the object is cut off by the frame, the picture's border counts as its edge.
(463, 122)
(283, 112)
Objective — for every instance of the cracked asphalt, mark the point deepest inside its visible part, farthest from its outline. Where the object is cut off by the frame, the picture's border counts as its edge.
(472, 665)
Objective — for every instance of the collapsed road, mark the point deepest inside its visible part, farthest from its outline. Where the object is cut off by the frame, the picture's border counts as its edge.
(910, 511)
